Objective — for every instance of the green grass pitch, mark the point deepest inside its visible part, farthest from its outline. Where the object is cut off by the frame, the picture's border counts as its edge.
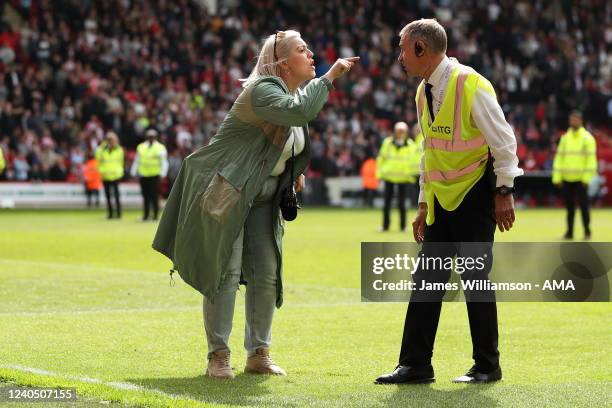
(85, 303)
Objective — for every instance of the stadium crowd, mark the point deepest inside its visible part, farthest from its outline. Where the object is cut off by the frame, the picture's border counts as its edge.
(71, 70)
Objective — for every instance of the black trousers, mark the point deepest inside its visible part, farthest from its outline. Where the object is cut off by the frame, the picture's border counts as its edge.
(149, 187)
(368, 197)
(571, 191)
(401, 203)
(91, 195)
(111, 188)
(472, 221)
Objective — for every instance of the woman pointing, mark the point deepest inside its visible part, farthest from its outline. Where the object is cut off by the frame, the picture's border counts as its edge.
(222, 223)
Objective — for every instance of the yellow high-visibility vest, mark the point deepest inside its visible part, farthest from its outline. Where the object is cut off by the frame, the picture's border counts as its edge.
(456, 152)
(150, 158)
(416, 156)
(110, 162)
(2, 161)
(393, 162)
(576, 157)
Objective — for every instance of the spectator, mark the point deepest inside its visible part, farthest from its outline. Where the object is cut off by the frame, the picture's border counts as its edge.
(76, 72)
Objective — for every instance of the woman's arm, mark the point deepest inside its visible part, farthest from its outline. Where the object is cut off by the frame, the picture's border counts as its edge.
(271, 103)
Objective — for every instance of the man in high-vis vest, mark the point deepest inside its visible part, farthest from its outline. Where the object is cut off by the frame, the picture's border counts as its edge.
(393, 167)
(415, 162)
(464, 195)
(2, 161)
(574, 166)
(111, 164)
(150, 164)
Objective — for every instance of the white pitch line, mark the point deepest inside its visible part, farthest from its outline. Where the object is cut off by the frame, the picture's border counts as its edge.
(113, 384)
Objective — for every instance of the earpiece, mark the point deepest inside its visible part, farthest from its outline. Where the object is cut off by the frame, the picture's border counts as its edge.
(418, 49)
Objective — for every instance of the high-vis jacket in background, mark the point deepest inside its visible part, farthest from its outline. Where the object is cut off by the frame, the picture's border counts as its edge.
(110, 162)
(576, 157)
(393, 161)
(150, 156)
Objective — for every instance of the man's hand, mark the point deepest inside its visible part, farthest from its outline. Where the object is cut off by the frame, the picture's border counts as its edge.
(504, 211)
(300, 183)
(418, 225)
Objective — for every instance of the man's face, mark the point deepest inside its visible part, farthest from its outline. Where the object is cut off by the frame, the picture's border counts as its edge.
(575, 121)
(407, 59)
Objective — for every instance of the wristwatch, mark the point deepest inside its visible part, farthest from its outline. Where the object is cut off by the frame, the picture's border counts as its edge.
(504, 190)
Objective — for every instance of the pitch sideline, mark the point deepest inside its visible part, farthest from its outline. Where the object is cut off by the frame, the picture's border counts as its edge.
(123, 386)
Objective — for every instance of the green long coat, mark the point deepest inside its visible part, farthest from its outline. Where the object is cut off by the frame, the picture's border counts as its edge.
(217, 184)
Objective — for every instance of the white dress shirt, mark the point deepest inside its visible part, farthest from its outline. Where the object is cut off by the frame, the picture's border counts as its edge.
(488, 116)
(297, 134)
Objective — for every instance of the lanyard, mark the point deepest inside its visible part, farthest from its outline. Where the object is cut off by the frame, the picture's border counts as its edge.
(443, 86)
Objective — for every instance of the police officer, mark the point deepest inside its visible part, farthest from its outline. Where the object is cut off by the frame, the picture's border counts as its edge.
(463, 126)
(574, 166)
(393, 167)
(110, 158)
(150, 164)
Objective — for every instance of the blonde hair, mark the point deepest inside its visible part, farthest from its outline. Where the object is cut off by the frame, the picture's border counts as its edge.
(267, 63)
(427, 30)
(112, 136)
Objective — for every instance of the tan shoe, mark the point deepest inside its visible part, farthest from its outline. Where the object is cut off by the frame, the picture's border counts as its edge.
(219, 365)
(262, 363)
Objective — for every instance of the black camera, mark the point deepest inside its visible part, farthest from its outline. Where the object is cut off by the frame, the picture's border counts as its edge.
(289, 203)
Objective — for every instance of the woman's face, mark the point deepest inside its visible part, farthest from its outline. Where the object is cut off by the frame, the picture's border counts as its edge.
(300, 63)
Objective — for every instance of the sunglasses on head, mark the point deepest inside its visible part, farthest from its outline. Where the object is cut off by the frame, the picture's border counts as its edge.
(275, 38)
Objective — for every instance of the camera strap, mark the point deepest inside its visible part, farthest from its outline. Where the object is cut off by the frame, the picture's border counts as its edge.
(292, 159)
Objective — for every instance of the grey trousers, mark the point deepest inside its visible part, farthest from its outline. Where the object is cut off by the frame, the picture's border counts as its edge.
(254, 254)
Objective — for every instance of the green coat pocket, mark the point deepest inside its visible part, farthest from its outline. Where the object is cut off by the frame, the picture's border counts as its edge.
(219, 198)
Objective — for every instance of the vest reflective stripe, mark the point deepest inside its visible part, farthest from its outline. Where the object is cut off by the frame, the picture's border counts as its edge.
(454, 145)
(437, 175)
(573, 171)
(583, 153)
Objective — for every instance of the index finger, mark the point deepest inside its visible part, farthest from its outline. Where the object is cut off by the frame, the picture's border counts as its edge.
(352, 59)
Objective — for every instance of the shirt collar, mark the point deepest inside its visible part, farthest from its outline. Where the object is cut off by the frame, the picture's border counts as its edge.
(436, 76)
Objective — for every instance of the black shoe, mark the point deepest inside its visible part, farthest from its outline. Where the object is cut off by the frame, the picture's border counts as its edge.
(109, 217)
(408, 375)
(474, 376)
(568, 236)
(587, 236)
